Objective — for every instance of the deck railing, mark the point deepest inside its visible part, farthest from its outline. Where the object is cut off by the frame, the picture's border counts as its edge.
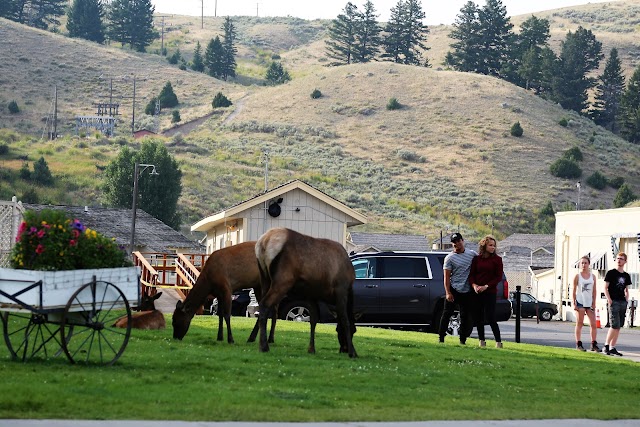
(163, 270)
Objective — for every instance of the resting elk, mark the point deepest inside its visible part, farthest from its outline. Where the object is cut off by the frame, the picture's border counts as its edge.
(225, 271)
(147, 318)
(318, 269)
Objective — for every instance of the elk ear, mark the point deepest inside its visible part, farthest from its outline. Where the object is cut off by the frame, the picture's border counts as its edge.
(156, 296)
(180, 305)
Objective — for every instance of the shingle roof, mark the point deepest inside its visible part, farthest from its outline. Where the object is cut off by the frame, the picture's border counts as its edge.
(531, 241)
(516, 251)
(391, 242)
(151, 233)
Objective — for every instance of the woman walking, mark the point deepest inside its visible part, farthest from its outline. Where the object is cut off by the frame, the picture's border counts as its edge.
(584, 300)
(486, 273)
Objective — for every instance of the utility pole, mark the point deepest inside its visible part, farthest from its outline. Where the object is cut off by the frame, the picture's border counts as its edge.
(215, 9)
(162, 33)
(202, 14)
(54, 135)
(257, 9)
(133, 108)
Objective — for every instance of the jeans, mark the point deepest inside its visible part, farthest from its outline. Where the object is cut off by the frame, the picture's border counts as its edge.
(484, 305)
(461, 301)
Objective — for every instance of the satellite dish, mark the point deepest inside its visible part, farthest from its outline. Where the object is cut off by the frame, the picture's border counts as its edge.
(274, 210)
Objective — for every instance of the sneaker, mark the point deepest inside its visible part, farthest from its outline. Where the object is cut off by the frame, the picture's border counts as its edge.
(605, 350)
(594, 346)
(579, 346)
(483, 343)
(614, 351)
(498, 345)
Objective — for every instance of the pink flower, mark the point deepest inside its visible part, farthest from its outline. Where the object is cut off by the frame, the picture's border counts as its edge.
(23, 226)
(41, 234)
(72, 242)
(39, 249)
(33, 230)
(75, 233)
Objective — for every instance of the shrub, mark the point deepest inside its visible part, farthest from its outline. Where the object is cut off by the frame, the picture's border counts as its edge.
(175, 116)
(150, 109)
(13, 107)
(25, 172)
(574, 154)
(276, 74)
(41, 173)
(616, 182)
(175, 58)
(316, 94)
(565, 168)
(49, 240)
(30, 196)
(393, 104)
(168, 97)
(221, 101)
(597, 180)
(516, 130)
(4, 149)
(624, 196)
(563, 122)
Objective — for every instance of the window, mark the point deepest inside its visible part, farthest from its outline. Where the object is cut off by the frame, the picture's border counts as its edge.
(405, 267)
(635, 277)
(526, 298)
(365, 268)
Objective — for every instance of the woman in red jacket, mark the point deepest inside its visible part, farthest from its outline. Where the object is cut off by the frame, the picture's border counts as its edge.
(486, 273)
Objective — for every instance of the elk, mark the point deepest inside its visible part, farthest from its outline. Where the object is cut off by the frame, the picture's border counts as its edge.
(225, 271)
(147, 318)
(318, 269)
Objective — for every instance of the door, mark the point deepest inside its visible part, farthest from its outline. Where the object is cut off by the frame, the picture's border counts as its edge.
(366, 288)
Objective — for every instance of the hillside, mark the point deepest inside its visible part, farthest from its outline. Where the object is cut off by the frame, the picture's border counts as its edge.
(444, 160)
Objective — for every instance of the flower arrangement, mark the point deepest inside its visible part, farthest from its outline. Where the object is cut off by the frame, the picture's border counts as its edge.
(49, 240)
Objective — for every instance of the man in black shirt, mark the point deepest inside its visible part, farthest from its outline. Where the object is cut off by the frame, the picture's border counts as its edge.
(616, 288)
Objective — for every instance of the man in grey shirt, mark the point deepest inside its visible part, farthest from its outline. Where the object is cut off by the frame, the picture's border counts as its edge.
(457, 266)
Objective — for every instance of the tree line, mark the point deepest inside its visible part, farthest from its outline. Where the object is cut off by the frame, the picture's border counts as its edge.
(484, 42)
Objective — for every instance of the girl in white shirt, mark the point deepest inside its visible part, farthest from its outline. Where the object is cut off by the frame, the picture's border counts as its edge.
(584, 302)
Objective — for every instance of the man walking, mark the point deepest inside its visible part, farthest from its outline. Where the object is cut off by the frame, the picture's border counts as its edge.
(457, 266)
(616, 289)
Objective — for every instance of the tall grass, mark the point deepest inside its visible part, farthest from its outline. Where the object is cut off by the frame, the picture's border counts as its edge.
(399, 376)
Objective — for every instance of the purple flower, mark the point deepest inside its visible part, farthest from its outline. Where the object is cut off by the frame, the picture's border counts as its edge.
(77, 225)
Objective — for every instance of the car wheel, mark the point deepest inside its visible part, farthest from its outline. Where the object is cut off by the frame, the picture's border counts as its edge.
(545, 315)
(213, 309)
(454, 324)
(297, 311)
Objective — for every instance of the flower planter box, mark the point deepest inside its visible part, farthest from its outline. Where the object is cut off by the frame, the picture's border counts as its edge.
(59, 286)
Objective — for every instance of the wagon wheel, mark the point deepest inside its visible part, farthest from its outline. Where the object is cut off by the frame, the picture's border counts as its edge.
(29, 336)
(88, 328)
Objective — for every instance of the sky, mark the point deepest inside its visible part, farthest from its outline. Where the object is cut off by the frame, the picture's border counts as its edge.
(437, 11)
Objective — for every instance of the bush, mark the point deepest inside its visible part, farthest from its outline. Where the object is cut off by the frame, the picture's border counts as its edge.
(168, 97)
(4, 149)
(624, 196)
(49, 240)
(175, 116)
(393, 104)
(574, 154)
(30, 196)
(597, 180)
(13, 107)
(41, 173)
(276, 74)
(316, 94)
(25, 172)
(565, 168)
(616, 182)
(221, 101)
(516, 130)
(563, 122)
(175, 58)
(150, 109)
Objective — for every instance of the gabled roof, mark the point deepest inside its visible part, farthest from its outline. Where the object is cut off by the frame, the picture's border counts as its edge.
(530, 241)
(390, 242)
(151, 233)
(219, 217)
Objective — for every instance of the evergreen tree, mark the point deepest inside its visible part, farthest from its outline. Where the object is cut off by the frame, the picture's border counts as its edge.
(228, 43)
(580, 54)
(608, 92)
(624, 196)
(198, 63)
(496, 38)
(527, 56)
(131, 22)
(406, 33)
(84, 20)
(467, 30)
(629, 112)
(9, 9)
(213, 57)
(35, 13)
(41, 173)
(276, 74)
(341, 45)
(367, 34)
(157, 195)
(167, 97)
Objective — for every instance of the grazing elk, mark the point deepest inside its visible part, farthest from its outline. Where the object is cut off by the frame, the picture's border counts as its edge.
(226, 271)
(147, 318)
(318, 269)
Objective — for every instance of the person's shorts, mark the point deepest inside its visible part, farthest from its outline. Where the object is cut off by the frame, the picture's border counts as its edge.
(578, 305)
(617, 313)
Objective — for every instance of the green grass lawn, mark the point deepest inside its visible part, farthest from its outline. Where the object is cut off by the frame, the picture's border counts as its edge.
(399, 376)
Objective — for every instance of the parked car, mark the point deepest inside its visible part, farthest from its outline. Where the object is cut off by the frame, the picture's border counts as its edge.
(528, 304)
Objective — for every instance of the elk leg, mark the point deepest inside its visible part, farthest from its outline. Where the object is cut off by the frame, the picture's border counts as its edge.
(220, 325)
(343, 322)
(313, 320)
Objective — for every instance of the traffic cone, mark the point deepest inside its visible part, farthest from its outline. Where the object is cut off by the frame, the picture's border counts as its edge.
(598, 325)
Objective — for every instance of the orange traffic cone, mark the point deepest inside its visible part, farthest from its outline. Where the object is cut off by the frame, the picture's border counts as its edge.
(598, 325)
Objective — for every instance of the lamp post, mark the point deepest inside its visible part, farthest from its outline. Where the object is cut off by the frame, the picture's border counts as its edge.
(578, 186)
(136, 173)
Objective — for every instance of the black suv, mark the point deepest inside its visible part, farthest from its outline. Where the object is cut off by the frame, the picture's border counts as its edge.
(529, 306)
(400, 289)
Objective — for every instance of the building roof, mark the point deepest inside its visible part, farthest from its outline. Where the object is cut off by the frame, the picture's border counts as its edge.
(523, 251)
(221, 216)
(390, 242)
(530, 241)
(151, 233)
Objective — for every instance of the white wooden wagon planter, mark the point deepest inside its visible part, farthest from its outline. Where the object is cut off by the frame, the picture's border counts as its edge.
(47, 313)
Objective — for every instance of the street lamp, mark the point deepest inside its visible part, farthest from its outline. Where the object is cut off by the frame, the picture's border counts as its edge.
(578, 186)
(136, 173)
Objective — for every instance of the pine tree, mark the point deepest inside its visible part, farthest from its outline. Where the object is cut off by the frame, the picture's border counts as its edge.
(131, 22)
(341, 44)
(198, 63)
(41, 173)
(367, 34)
(9, 9)
(167, 97)
(276, 74)
(35, 13)
(624, 196)
(496, 38)
(608, 92)
(629, 112)
(228, 43)
(406, 33)
(527, 56)
(84, 20)
(467, 31)
(213, 57)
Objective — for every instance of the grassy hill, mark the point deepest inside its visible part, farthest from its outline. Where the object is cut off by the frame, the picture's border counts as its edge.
(444, 160)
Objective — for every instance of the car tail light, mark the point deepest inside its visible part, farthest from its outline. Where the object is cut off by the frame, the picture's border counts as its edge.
(505, 289)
